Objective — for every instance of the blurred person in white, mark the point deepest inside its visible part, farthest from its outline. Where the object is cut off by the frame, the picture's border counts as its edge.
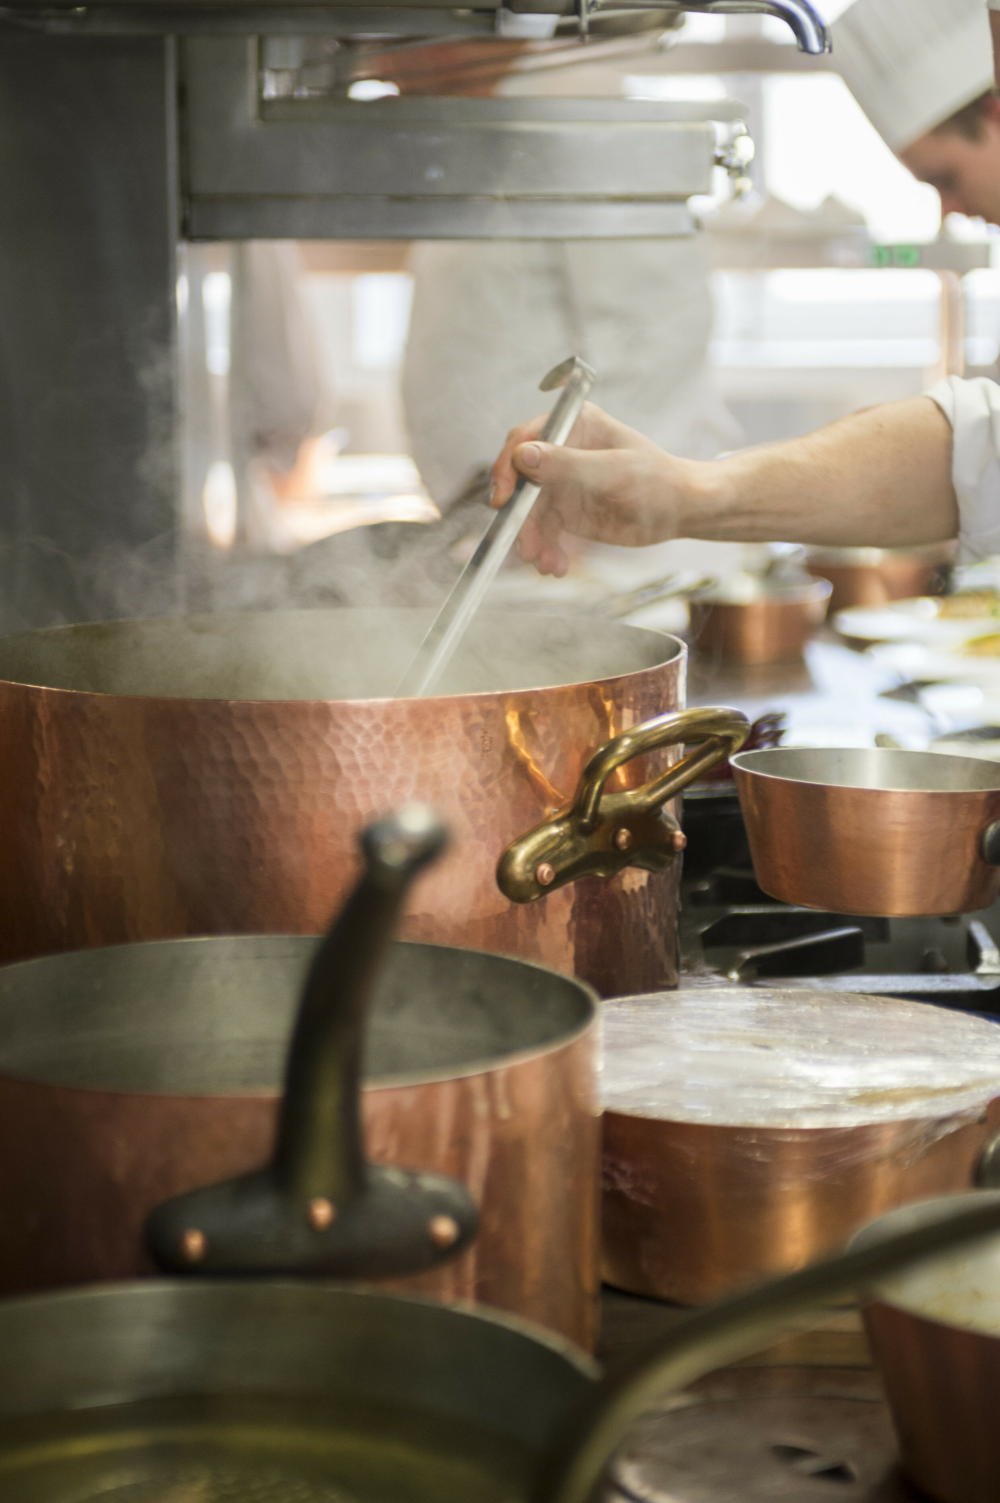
(491, 317)
(918, 471)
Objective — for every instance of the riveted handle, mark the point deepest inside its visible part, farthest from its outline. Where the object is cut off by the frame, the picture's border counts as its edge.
(599, 834)
(319, 1206)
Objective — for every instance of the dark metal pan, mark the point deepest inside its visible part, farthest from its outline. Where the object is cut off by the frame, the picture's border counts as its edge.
(133, 1074)
(228, 1392)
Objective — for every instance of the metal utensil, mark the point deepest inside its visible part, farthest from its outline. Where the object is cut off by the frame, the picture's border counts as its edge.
(449, 627)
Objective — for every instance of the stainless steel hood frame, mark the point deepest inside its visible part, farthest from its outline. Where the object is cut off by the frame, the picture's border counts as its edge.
(422, 168)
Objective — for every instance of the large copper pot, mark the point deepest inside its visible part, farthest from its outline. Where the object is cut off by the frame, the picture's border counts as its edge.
(131, 1074)
(935, 1337)
(200, 775)
(748, 1131)
(870, 831)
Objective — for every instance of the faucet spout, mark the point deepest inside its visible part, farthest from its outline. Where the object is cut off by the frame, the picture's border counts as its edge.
(807, 26)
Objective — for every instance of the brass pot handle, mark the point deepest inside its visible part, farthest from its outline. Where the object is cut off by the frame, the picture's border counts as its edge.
(598, 834)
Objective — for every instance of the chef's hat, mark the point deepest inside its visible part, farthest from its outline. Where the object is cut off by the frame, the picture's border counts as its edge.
(911, 64)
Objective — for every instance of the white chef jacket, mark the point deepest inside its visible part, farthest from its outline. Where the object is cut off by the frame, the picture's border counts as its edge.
(973, 410)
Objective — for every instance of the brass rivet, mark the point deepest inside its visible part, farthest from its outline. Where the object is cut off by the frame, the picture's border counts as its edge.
(545, 874)
(679, 840)
(623, 839)
(321, 1213)
(444, 1231)
(194, 1245)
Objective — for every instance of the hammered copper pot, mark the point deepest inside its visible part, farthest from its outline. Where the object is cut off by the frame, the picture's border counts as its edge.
(131, 1074)
(202, 775)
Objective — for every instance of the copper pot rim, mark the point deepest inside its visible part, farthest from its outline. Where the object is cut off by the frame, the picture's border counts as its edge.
(746, 765)
(902, 1216)
(803, 594)
(187, 701)
(403, 1080)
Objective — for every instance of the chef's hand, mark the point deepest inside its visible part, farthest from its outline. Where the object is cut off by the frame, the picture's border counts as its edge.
(609, 484)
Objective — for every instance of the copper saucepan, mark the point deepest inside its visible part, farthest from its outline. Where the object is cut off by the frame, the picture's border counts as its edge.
(132, 1074)
(748, 1131)
(874, 576)
(935, 1336)
(286, 1390)
(763, 622)
(210, 774)
(871, 831)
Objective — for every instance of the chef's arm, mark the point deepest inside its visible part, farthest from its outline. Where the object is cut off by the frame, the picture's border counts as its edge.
(880, 477)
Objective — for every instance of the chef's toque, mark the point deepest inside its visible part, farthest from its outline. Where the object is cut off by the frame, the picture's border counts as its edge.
(911, 64)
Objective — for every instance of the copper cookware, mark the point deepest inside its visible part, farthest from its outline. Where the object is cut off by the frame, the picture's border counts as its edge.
(747, 1131)
(290, 1391)
(770, 624)
(132, 1074)
(935, 1337)
(204, 775)
(872, 831)
(874, 576)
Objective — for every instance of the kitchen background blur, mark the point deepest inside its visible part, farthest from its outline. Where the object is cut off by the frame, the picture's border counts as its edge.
(834, 284)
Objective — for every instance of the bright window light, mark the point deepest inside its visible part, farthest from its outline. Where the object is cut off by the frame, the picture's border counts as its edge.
(218, 497)
(830, 10)
(380, 306)
(818, 141)
(372, 88)
(216, 297)
(695, 87)
(700, 28)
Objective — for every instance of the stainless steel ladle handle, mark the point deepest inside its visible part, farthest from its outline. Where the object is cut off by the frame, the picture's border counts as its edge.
(452, 621)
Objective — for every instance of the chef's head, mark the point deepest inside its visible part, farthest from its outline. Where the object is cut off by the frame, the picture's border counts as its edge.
(922, 71)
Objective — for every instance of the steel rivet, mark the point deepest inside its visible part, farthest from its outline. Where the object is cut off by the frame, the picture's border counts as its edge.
(321, 1213)
(194, 1245)
(444, 1231)
(623, 839)
(679, 840)
(545, 874)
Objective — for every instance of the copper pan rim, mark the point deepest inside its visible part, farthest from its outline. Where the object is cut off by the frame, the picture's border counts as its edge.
(400, 1080)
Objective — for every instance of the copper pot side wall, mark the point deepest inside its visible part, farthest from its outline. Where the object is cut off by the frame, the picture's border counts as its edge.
(760, 631)
(692, 1211)
(81, 1169)
(942, 1385)
(876, 584)
(868, 850)
(130, 819)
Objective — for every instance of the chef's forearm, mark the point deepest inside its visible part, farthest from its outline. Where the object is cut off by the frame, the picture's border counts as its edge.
(881, 477)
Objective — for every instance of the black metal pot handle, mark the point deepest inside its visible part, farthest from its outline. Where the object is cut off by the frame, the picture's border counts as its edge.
(723, 1333)
(320, 1207)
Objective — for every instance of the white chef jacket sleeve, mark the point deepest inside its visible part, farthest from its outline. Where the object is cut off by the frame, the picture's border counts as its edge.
(973, 410)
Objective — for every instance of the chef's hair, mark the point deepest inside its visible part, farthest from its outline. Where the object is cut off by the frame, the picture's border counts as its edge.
(968, 122)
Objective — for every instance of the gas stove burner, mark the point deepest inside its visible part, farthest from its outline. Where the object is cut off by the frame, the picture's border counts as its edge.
(761, 1448)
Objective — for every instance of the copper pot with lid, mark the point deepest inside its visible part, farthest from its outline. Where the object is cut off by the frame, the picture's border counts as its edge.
(758, 620)
(209, 774)
(748, 1130)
